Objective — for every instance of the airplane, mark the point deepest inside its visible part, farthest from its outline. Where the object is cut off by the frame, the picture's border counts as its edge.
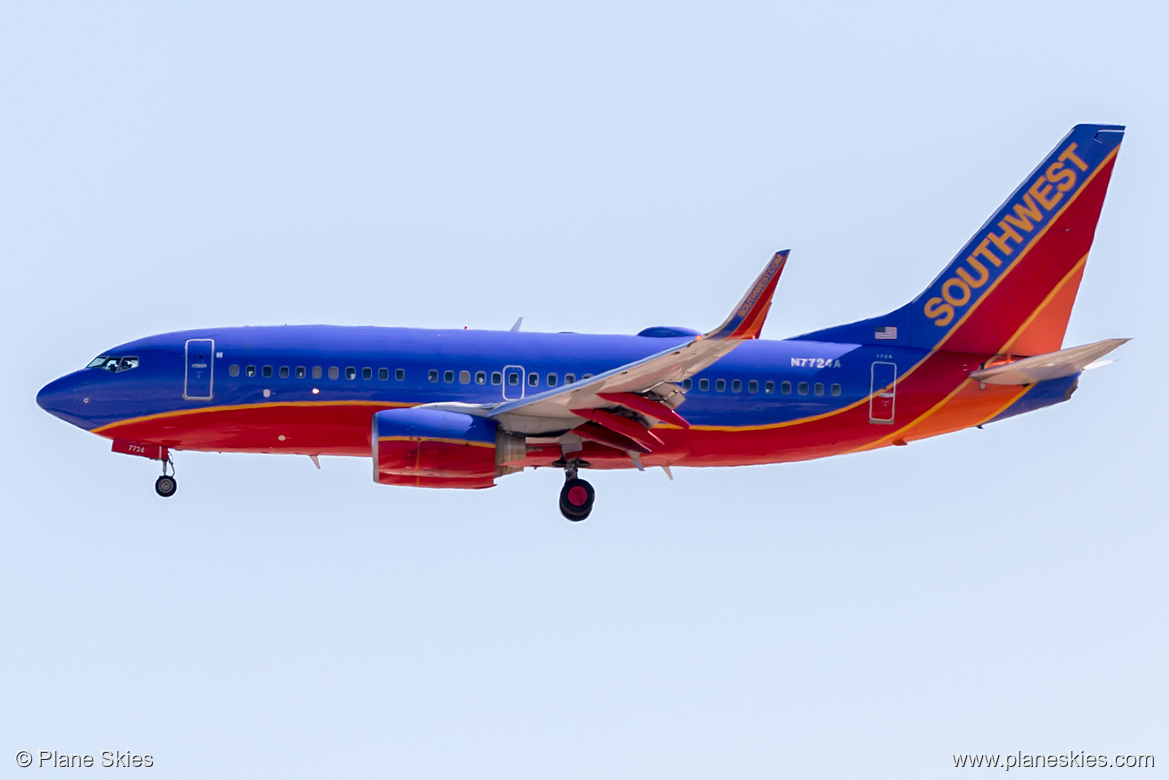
(461, 408)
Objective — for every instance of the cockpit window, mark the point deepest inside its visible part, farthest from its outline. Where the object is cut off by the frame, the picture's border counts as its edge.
(114, 363)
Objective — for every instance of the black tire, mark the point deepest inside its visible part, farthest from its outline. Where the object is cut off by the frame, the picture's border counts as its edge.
(165, 486)
(576, 499)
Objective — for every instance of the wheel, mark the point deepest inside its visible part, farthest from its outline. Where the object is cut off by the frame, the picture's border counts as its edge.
(165, 486)
(576, 499)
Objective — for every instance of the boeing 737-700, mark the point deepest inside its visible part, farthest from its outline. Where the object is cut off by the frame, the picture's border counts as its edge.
(461, 408)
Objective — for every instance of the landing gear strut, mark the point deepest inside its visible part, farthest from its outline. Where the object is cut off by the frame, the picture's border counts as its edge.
(577, 495)
(166, 485)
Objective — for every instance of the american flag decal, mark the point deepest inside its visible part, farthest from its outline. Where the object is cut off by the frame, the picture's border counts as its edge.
(885, 332)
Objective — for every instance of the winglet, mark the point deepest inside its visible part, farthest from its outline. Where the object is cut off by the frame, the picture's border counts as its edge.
(746, 321)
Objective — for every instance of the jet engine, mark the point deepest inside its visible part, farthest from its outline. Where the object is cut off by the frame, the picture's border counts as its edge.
(439, 449)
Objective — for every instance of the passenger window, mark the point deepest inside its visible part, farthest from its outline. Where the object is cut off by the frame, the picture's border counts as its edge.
(835, 389)
(819, 388)
(284, 372)
(533, 379)
(448, 376)
(737, 386)
(333, 372)
(480, 377)
(367, 373)
(383, 374)
(267, 371)
(496, 378)
(233, 370)
(587, 376)
(569, 379)
(316, 372)
(552, 380)
(703, 384)
(753, 386)
(802, 388)
(350, 372)
(432, 375)
(399, 374)
(513, 378)
(250, 371)
(301, 373)
(785, 387)
(769, 387)
(687, 384)
(720, 385)
(464, 377)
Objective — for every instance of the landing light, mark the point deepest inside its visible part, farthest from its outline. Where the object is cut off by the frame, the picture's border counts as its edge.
(316, 391)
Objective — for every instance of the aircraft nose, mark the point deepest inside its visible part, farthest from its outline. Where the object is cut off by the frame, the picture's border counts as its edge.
(57, 397)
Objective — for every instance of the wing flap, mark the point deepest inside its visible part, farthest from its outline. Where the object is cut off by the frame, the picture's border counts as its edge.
(602, 435)
(630, 429)
(649, 407)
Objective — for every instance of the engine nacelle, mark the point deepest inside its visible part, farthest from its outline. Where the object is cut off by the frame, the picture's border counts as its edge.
(432, 448)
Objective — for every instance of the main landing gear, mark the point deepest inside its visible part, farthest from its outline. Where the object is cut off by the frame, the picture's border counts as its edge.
(577, 495)
(166, 485)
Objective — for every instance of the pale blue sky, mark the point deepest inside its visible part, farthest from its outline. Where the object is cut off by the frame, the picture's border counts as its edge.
(594, 167)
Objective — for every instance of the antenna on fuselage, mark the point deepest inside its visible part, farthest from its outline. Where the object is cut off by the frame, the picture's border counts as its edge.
(518, 322)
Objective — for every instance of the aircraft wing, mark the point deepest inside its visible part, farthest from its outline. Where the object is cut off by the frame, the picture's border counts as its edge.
(648, 386)
(617, 407)
(1052, 365)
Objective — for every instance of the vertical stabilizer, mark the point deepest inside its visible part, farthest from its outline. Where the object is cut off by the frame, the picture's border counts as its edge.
(1011, 288)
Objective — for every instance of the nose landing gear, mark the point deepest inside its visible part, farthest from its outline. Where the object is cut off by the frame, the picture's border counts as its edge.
(577, 495)
(166, 485)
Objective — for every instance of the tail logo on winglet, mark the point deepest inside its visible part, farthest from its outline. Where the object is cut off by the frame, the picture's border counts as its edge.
(1018, 224)
(760, 287)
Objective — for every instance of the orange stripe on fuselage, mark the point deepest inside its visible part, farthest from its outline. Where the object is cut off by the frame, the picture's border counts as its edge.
(309, 427)
(104, 430)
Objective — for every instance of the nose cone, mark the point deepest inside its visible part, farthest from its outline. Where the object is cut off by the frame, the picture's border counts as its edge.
(59, 398)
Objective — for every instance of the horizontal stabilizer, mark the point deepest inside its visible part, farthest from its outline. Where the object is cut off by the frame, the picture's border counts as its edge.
(1053, 365)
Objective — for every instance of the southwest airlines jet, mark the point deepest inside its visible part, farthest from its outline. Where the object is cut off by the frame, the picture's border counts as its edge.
(461, 408)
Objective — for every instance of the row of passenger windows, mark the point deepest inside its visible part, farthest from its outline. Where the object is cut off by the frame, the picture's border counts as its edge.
(301, 372)
(514, 377)
(785, 387)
